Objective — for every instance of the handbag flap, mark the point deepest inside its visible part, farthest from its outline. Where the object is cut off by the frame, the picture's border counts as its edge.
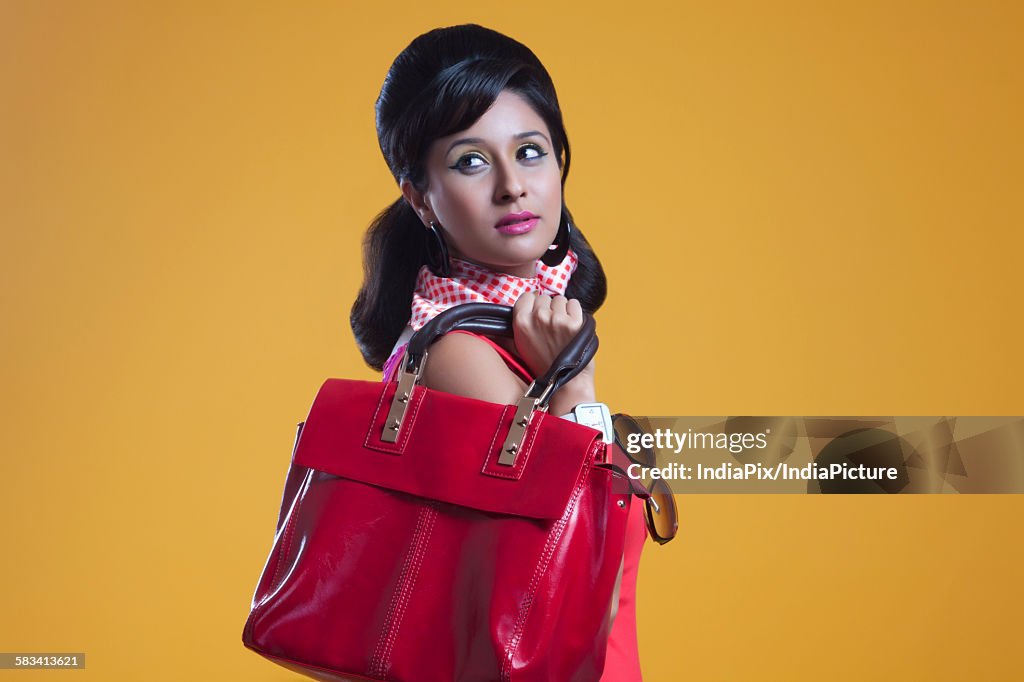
(447, 448)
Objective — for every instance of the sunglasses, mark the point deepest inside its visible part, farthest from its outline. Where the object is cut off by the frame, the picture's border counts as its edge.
(662, 522)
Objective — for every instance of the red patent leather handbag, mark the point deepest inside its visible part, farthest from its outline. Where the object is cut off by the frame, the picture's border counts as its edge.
(427, 536)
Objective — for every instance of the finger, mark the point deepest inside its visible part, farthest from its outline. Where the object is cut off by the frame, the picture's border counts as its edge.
(542, 308)
(524, 304)
(558, 306)
(522, 311)
(561, 317)
(574, 308)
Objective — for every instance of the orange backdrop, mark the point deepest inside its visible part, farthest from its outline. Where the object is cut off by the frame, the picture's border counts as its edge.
(802, 207)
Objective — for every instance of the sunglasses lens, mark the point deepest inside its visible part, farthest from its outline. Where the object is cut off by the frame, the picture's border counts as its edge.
(661, 508)
(627, 435)
(661, 513)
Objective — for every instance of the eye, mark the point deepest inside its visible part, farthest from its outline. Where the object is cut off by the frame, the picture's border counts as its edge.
(469, 161)
(530, 152)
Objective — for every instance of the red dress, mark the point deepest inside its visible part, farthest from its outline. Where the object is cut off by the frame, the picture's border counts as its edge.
(622, 662)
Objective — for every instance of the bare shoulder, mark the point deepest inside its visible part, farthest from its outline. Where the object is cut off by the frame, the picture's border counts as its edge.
(469, 366)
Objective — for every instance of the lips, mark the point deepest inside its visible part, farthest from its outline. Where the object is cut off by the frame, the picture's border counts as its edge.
(515, 218)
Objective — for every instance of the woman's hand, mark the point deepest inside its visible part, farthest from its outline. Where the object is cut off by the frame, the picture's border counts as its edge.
(543, 326)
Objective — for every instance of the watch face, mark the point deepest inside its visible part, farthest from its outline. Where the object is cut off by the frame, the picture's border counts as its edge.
(596, 416)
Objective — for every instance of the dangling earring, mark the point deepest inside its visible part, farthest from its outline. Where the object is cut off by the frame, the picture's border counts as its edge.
(437, 251)
(556, 252)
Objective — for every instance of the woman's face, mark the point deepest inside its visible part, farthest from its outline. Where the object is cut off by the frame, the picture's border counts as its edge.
(494, 188)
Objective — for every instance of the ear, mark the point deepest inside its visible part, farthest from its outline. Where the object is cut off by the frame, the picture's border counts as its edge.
(417, 200)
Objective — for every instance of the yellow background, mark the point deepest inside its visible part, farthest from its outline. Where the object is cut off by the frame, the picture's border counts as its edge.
(802, 207)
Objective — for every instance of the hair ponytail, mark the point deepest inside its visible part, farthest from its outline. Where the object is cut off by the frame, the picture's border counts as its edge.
(394, 248)
(588, 283)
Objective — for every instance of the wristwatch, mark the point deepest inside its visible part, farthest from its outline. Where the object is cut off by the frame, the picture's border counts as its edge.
(594, 415)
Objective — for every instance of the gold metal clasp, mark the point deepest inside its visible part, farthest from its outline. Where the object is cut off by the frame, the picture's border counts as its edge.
(520, 422)
(403, 394)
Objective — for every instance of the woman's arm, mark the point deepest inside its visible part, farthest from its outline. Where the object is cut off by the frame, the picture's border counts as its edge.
(468, 366)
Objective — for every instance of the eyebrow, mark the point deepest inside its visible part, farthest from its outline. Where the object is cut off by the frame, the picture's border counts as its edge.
(480, 140)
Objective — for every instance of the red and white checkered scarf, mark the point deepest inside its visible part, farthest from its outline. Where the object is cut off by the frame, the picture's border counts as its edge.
(470, 282)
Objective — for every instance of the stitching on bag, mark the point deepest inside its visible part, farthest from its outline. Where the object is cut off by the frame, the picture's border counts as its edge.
(376, 664)
(524, 453)
(491, 454)
(283, 549)
(542, 565)
(416, 399)
(531, 437)
(289, 522)
(549, 549)
(424, 526)
(375, 421)
(421, 551)
(414, 411)
(290, 532)
(497, 430)
(376, 412)
(524, 606)
(379, 663)
(398, 598)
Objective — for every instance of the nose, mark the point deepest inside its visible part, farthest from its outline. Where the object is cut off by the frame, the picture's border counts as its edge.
(509, 186)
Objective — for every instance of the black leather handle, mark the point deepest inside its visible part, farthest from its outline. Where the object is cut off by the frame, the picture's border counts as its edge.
(496, 320)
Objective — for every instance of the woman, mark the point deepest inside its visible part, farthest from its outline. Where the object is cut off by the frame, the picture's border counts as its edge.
(470, 126)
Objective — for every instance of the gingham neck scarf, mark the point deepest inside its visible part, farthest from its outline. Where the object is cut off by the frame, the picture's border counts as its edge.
(470, 282)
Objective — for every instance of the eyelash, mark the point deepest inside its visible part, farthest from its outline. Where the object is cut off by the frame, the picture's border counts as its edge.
(458, 164)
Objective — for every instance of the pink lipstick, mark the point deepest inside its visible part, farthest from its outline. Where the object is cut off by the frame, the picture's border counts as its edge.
(517, 223)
